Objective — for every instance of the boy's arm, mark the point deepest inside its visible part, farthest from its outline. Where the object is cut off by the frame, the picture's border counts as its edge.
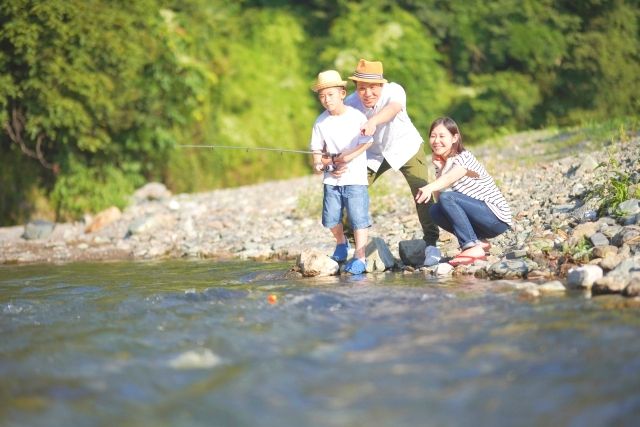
(318, 166)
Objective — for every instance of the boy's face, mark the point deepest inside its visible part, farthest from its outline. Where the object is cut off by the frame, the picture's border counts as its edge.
(369, 93)
(331, 98)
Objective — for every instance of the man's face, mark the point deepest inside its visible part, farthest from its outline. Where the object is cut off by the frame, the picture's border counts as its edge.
(369, 93)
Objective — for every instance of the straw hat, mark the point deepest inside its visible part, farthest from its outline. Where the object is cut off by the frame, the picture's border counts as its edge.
(368, 71)
(329, 78)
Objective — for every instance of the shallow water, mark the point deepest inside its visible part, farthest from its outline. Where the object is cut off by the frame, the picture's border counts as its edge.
(187, 343)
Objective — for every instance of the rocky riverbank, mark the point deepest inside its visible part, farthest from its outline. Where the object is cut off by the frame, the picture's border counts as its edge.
(562, 236)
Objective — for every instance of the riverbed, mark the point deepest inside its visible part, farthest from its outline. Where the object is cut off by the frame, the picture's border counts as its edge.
(200, 343)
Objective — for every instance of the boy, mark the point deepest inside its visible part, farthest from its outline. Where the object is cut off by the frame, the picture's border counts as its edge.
(336, 132)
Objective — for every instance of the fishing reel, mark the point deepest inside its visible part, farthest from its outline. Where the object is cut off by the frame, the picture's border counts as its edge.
(330, 167)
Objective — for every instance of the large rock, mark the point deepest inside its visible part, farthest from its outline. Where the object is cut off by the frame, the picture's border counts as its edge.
(619, 278)
(583, 277)
(412, 251)
(379, 257)
(312, 262)
(103, 219)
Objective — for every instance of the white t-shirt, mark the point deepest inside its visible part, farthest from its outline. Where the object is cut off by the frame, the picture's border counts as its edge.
(397, 140)
(340, 133)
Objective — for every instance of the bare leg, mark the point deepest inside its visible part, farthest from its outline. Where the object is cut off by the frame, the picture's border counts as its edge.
(361, 237)
(338, 233)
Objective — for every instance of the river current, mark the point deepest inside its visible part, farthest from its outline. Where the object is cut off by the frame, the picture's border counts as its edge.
(201, 343)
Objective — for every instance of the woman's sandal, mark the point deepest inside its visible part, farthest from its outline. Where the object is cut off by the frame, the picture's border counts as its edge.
(466, 260)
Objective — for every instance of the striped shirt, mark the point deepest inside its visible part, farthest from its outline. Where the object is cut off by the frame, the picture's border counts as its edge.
(482, 187)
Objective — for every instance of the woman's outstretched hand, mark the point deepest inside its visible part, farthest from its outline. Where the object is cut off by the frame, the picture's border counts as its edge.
(424, 194)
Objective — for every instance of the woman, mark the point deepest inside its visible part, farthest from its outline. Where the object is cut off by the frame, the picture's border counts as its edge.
(469, 204)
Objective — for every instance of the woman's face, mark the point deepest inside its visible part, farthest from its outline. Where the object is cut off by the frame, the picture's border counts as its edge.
(442, 141)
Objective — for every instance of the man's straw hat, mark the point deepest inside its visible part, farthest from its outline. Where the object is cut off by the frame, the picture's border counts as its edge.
(368, 71)
(329, 78)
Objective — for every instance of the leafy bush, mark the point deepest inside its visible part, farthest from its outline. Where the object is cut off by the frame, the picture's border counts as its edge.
(86, 189)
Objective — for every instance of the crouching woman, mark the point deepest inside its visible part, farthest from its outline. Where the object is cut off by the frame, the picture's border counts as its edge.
(469, 204)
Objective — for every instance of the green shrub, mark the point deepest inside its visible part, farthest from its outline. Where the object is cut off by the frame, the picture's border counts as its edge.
(85, 189)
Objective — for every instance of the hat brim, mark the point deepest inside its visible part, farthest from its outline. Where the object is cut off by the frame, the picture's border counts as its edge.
(360, 79)
(342, 84)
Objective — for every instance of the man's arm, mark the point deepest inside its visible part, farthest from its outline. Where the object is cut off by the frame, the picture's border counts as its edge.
(388, 113)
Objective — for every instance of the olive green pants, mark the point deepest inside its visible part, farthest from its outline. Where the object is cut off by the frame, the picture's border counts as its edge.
(415, 173)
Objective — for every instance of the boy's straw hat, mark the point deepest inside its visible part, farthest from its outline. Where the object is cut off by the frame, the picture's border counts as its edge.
(368, 71)
(329, 78)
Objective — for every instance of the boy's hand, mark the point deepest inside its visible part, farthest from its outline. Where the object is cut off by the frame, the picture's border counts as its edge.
(340, 169)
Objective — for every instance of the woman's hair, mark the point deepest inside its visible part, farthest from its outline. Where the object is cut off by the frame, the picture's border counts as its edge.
(452, 127)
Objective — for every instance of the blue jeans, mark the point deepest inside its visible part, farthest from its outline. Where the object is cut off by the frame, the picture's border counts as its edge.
(467, 218)
(355, 198)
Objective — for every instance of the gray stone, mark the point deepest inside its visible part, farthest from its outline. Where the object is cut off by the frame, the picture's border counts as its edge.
(588, 164)
(566, 208)
(599, 239)
(627, 236)
(515, 254)
(151, 191)
(412, 251)
(379, 257)
(583, 277)
(631, 219)
(38, 229)
(508, 269)
(629, 207)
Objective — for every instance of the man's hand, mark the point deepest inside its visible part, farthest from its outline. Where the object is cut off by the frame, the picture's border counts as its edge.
(368, 128)
(424, 194)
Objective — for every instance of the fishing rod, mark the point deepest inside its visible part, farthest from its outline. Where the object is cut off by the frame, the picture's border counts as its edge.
(328, 168)
(236, 147)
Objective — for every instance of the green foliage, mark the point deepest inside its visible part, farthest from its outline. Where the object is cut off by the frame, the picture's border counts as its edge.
(600, 74)
(405, 48)
(580, 252)
(104, 84)
(498, 103)
(611, 189)
(89, 87)
(263, 100)
(88, 189)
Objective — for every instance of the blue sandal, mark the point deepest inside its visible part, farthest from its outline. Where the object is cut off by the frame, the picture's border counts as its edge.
(341, 252)
(355, 266)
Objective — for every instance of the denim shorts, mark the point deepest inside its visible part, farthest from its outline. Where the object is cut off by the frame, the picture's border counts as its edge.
(355, 198)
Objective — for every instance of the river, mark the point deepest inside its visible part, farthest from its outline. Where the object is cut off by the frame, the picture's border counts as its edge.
(201, 343)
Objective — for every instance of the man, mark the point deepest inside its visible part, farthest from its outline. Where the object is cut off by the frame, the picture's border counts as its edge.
(397, 144)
